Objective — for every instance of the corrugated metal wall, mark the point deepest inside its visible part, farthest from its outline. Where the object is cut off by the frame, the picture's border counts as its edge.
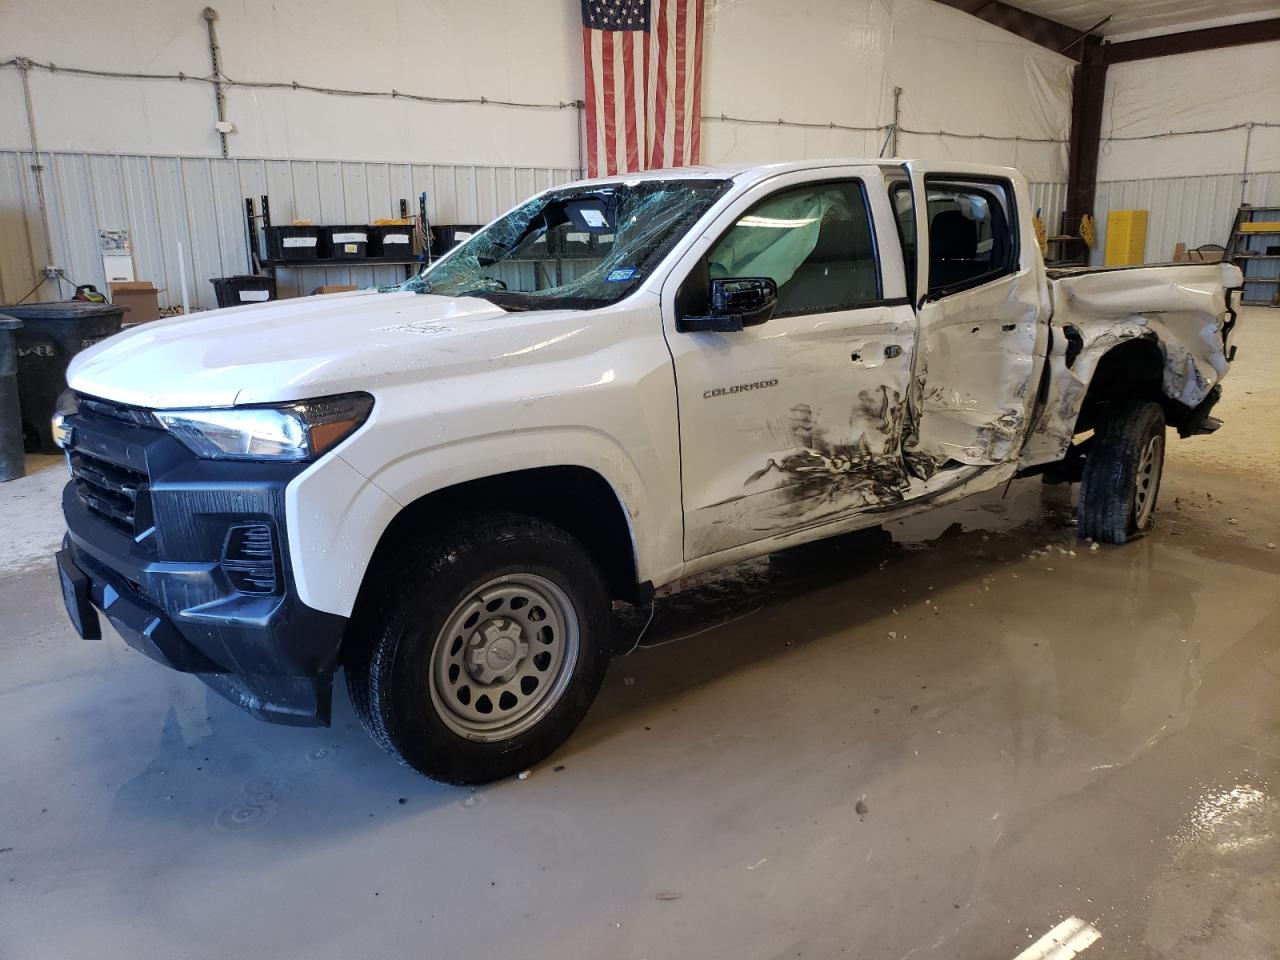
(1190, 210)
(199, 202)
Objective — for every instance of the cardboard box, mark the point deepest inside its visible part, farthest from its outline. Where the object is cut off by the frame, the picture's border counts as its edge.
(334, 288)
(139, 298)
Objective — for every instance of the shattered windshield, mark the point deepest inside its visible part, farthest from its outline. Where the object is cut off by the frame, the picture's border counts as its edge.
(580, 248)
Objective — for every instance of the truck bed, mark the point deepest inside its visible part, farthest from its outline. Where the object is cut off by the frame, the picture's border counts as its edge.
(1181, 309)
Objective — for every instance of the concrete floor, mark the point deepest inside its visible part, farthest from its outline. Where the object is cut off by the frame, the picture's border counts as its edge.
(939, 742)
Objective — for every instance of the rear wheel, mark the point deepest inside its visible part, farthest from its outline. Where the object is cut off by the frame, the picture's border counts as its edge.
(478, 654)
(1121, 479)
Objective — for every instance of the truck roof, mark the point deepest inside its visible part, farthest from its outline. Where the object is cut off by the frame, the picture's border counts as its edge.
(752, 173)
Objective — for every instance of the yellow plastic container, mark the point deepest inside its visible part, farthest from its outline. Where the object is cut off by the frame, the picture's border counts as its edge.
(1126, 238)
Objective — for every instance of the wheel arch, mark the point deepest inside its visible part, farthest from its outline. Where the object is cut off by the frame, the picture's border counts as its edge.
(576, 498)
(1131, 369)
(1134, 369)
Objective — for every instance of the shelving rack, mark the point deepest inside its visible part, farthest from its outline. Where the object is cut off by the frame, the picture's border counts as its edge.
(258, 221)
(1066, 247)
(1255, 248)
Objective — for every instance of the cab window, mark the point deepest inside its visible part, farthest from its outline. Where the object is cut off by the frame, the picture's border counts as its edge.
(972, 233)
(814, 241)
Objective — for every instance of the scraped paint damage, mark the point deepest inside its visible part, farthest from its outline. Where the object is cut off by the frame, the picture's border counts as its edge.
(863, 472)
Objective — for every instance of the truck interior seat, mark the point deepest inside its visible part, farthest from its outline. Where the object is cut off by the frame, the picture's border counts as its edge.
(838, 274)
(953, 245)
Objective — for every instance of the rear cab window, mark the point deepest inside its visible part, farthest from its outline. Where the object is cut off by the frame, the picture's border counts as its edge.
(973, 233)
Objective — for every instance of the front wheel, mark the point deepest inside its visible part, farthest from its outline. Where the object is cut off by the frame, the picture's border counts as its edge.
(479, 653)
(1121, 479)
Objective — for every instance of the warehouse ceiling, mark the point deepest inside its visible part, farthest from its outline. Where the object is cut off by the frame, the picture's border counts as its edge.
(1132, 16)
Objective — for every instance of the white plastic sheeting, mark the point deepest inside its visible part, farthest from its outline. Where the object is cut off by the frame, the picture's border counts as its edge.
(837, 62)
(1195, 91)
(527, 51)
(1130, 17)
(815, 61)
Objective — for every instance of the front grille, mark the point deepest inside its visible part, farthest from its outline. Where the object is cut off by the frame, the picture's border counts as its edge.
(106, 408)
(117, 494)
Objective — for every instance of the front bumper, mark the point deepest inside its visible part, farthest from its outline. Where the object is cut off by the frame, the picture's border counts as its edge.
(168, 588)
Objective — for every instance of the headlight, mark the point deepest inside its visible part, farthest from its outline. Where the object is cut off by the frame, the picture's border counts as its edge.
(68, 405)
(293, 431)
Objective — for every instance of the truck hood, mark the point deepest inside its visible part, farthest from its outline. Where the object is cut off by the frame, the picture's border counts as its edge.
(278, 351)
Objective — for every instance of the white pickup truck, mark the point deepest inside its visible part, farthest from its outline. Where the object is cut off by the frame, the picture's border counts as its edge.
(442, 487)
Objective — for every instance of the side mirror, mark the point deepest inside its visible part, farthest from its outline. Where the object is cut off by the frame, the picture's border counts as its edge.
(735, 303)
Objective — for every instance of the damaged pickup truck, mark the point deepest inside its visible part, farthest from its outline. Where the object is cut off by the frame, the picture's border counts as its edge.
(441, 488)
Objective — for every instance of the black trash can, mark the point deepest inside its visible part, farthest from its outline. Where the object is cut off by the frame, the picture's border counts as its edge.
(11, 447)
(51, 334)
(237, 291)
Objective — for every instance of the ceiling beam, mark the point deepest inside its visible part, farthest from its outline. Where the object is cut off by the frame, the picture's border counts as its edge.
(1191, 41)
(1058, 37)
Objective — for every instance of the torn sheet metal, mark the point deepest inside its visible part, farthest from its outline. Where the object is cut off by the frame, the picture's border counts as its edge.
(1179, 308)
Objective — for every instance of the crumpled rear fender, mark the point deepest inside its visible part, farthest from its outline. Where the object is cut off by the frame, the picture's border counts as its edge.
(1181, 309)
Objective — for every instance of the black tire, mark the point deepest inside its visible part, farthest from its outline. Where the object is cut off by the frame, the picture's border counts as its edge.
(415, 591)
(1114, 486)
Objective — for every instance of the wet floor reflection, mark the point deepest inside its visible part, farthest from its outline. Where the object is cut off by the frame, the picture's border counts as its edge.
(1083, 658)
(941, 737)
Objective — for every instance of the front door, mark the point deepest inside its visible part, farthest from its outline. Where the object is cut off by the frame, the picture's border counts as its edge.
(798, 421)
(981, 344)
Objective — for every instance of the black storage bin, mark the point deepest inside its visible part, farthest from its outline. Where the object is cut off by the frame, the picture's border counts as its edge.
(444, 237)
(294, 243)
(392, 241)
(347, 242)
(51, 334)
(11, 445)
(237, 291)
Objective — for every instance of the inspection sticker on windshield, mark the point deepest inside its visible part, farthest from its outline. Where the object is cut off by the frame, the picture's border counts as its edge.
(621, 274)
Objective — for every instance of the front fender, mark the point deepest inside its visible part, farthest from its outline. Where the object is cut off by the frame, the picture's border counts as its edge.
(336, 516)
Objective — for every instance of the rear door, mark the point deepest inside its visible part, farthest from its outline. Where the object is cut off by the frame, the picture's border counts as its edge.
(797, 421)
(981, 288)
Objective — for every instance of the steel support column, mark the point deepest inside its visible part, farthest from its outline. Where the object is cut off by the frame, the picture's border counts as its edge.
(1088, 90)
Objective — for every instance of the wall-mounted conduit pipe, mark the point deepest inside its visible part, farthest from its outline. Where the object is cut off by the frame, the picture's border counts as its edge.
(215, 57)
(37, 168)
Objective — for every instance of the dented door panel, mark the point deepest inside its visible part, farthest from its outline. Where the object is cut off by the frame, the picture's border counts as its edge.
(976, 364)
(800, 420)
(784, 427)
(980, 351)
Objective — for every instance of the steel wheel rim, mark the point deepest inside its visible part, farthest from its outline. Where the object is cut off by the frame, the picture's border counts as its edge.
(504, 657)
(1147, 480)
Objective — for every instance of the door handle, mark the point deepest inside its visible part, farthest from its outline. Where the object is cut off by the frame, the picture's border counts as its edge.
(890, 351)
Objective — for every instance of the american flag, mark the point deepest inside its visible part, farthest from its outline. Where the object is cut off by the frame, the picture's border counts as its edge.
(643, 71)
